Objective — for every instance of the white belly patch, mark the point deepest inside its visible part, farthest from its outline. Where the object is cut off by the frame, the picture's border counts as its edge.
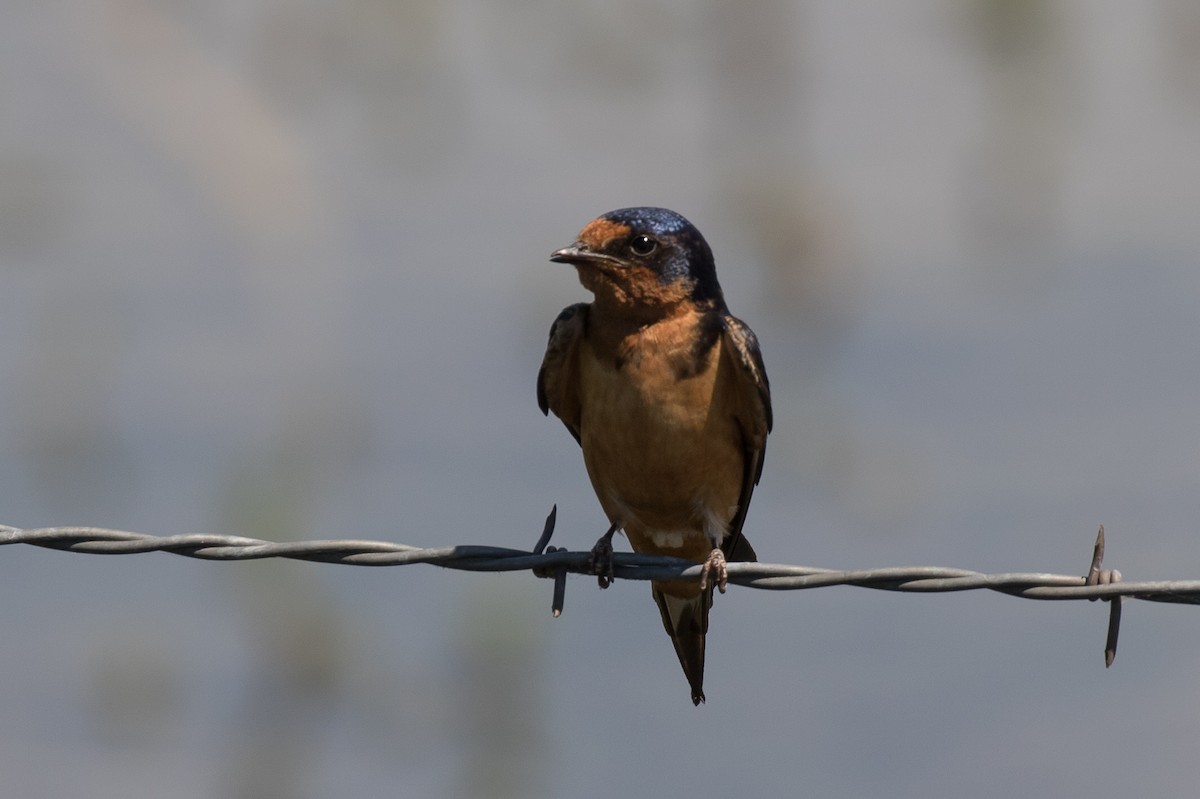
(714, 526)
(669, 539)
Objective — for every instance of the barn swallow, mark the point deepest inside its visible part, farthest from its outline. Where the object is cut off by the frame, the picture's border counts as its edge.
(666, 394)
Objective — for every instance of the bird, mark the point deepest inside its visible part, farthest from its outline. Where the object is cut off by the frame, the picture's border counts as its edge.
(666, 394)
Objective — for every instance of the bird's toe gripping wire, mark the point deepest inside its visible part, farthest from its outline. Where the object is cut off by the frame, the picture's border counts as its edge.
(715, 567)
(600, 559)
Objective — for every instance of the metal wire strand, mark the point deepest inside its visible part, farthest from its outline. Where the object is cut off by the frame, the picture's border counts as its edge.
(546, 561)
(555, 563)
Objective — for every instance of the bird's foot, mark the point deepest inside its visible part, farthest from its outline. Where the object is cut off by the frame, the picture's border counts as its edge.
(600, 559)
(715, 563)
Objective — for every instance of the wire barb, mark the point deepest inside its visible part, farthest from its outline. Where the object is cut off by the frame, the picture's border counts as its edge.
(1098, 576)
(559, 575)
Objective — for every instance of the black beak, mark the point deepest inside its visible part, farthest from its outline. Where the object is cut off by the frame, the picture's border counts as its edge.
(578, 254)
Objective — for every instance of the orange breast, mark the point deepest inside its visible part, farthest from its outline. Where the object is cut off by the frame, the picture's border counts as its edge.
(663, 453)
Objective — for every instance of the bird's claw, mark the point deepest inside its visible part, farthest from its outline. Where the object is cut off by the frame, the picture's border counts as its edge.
(715, 562)
(600, 559)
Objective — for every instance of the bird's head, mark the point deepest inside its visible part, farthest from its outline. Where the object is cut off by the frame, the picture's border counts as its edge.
(643, 261)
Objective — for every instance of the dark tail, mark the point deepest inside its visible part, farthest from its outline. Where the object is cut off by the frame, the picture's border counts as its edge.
(686, 621)
(738, 548)
(686, 617)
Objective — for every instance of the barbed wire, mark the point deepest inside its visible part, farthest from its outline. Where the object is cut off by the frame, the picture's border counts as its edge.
(556, 563)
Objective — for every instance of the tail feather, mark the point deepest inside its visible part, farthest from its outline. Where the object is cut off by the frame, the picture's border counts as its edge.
(737, 548)
(686, 621)
(685, 616)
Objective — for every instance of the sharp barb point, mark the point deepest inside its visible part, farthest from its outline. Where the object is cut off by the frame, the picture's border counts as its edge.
(1093, 575)
(1097, 557)
(560, 593)
(547, 531)
(1114, 630)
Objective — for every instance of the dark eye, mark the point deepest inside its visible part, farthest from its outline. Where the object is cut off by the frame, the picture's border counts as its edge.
(643, 244)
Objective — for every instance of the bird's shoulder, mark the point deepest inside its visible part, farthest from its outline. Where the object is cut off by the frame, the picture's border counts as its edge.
(741, 345)
(557, 383)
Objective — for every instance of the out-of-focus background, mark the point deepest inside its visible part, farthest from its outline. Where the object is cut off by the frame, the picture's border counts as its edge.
(279, 269)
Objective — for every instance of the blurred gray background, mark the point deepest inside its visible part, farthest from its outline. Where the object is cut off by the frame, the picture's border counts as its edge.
(279, 269)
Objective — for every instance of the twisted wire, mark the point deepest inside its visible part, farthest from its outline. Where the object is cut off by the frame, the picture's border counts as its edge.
(629, 566)
(556, 563)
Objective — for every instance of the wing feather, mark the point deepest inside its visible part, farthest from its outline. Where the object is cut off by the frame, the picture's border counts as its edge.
(754, 418)
(558, 379)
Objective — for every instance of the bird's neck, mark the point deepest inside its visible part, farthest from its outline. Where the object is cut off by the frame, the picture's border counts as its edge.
(615, 332)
